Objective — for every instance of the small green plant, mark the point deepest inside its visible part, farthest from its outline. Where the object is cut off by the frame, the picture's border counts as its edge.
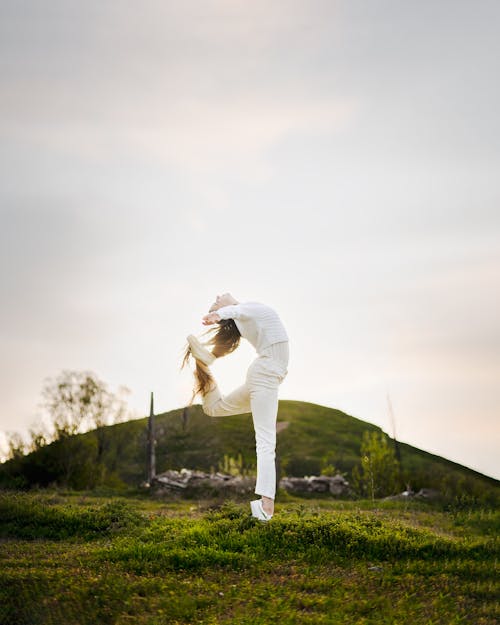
(329, 470)
(461, 503)
(234, 466)
(378, 474)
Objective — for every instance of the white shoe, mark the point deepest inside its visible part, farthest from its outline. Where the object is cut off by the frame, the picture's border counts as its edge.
(258, 511)
(199, 351)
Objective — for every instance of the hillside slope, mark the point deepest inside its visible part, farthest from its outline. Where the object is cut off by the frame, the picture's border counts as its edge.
(310, 438)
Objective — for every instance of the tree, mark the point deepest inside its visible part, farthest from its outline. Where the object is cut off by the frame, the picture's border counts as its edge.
(379, 470)
(16, 446)
(39, 436)
(78, 401)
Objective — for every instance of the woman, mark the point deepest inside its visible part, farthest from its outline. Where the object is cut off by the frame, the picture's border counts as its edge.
(262, 327)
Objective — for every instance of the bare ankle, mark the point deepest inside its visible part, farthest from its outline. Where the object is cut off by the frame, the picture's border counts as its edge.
(268, 504)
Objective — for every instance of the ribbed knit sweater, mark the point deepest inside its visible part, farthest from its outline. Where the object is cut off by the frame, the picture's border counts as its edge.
(258, 323)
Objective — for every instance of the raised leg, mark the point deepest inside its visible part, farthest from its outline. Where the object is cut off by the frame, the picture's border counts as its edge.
(215, 404)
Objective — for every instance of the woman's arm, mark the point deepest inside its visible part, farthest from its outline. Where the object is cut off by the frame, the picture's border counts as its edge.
(212, 317)
(233, 311)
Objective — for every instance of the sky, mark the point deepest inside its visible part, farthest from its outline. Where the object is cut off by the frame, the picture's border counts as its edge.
(337, 160)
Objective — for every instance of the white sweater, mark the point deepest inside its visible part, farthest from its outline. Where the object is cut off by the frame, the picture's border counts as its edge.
(258, 323)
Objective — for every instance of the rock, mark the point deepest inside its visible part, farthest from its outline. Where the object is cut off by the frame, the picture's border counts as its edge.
(428, 493)
(423, 493)
(336, 485)
(191, 481)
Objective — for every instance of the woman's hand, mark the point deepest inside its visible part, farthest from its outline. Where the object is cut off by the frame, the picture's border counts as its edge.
(212, 317)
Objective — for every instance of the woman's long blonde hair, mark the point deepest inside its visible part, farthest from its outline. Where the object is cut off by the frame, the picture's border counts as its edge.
(225, 338)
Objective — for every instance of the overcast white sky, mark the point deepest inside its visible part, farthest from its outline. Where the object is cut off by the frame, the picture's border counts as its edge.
(336, 160)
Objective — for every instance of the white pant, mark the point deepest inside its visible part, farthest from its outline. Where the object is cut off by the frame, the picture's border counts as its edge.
(258, 395)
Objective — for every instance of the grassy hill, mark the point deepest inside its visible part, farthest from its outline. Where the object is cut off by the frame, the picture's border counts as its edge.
(310, 438)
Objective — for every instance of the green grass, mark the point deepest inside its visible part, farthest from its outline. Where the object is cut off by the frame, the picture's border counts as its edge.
(76, 558)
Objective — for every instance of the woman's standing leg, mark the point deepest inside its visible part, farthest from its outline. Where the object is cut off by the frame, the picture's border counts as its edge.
(264, 403)
(264, 378)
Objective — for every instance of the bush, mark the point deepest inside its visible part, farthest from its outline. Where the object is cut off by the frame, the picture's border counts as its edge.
(25, 516)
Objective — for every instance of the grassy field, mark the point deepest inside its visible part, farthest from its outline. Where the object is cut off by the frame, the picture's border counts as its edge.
(77, 558)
